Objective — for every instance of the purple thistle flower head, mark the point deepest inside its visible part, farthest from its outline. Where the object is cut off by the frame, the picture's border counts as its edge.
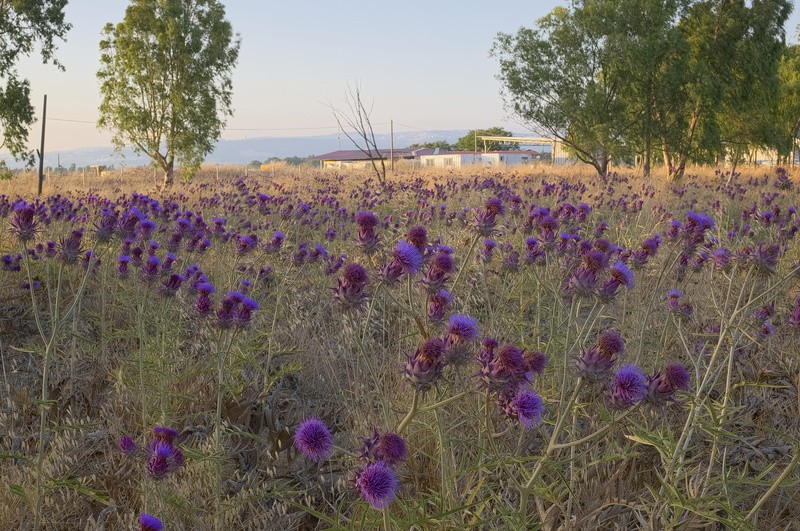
(313, 439)
(171, 285)
(794, 317)
(622, 274)
(509, 361)
(487, 253)
(527, 407)
(104, 229)
(24, 223)
(146, 228)
(721, 257)
(387, 447)
(424, 368)
(765, 330)
(418, 237)
(595, 260)
(698, 222)
(582, 281)
(593, 365)
(438, 304)
(629, 386)
(678, 376)
(205, 288)
(277, 240)
(443, 262)
(355, 275)
(71, 246)
(165, 433)
(148, 522)
(122, 265)
(494, 206)
(502, 371)
(431, 351)
(366, 219)
(536, 360)
(203, 305)
(150, 267)
(127, 446)
(407, 257)
(377, 484)
(462, 328)
(610, 343)
(662, 385)
(163, 459)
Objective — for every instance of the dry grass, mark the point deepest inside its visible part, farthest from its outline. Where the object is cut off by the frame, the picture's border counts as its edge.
(129, 359)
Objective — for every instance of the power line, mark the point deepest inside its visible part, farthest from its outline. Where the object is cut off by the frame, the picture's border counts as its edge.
(67, 120)
(332, 127)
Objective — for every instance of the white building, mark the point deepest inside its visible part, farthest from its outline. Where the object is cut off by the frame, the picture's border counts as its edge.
(456, 159)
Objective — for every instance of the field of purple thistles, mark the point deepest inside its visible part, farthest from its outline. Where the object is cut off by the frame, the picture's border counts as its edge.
(488, 350)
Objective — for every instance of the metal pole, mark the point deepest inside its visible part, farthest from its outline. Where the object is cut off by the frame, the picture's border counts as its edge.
(41, 149)
(391, 142)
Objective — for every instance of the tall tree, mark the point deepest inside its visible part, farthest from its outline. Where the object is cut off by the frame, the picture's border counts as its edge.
(23, 27)
(165, 78)
(472, 142)
(789, 102)
(652, 61)
(562, 78)
(749, 114)
(734, 47)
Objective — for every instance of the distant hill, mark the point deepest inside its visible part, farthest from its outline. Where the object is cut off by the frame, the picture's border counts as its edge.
(245, 150)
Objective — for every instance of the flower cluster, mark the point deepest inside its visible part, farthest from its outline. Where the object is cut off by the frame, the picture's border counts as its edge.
(163, 457)
(376, 481)
(506, 373)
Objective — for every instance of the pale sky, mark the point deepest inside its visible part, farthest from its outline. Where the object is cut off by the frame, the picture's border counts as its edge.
(423, 63)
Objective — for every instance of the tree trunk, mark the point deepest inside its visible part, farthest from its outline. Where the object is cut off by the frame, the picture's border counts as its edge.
(169, 172)
(601, 165)
(678, 175)
(734, 164)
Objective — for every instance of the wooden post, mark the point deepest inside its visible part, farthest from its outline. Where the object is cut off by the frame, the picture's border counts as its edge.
(391, 142)
(41, 149)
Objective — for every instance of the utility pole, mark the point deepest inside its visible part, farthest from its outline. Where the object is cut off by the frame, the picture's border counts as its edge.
(391, 142)
(41, 149)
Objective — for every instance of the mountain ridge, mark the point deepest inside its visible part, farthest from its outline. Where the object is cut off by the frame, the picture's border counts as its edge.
(243, 151)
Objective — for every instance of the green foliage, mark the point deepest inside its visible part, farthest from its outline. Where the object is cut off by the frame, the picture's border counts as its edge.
(23, 27)
(616, 78)
(789, 101)
(165, 74)
(5, 172)
(437, 144)
(470, 142)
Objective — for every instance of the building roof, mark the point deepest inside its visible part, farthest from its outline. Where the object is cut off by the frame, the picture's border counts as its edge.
(345, 155)
(511, 152)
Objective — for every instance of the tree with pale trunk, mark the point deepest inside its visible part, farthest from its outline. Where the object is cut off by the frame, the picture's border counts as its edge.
(165, 80)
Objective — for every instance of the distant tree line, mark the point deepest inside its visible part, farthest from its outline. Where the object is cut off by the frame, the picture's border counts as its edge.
(678, 81)
(291, 161)
(471, 141)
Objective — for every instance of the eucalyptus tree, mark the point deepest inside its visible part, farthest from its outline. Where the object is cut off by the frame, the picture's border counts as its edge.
(730, 98)
(470, 141)
(165, 74)
(789, 102)
(24, 26)
(564, 77)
